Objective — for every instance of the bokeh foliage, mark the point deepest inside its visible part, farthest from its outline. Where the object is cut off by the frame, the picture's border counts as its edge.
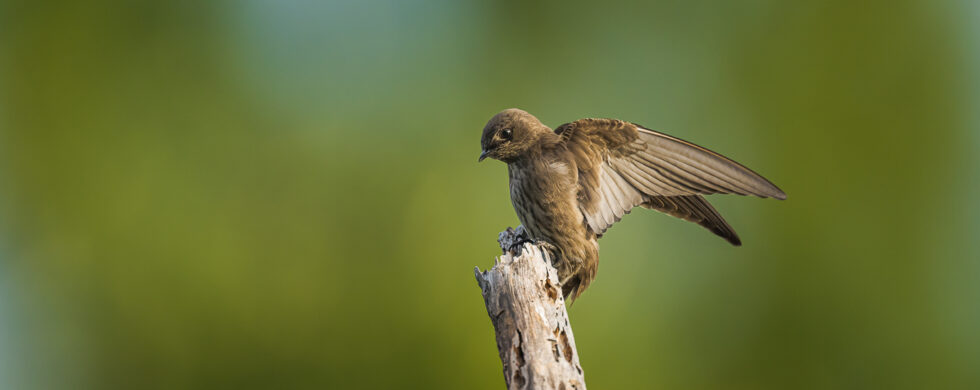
(265, 194)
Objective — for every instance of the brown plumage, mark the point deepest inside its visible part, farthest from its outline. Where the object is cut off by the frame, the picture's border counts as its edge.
(568, 186)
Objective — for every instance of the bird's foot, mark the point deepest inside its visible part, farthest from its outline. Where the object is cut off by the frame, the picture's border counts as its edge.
(512, 240)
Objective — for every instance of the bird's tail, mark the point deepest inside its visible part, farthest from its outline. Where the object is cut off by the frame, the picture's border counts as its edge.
(574, 283)
(572, 288)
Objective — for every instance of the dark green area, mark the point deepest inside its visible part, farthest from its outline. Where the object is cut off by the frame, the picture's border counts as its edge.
(271, 194)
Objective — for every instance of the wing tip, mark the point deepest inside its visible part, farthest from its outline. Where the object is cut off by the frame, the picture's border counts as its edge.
(779, 194)
(729, 235)
(771, 191)
(751, 182)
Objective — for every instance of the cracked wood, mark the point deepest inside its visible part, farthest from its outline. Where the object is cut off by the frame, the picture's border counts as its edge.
(524, 303)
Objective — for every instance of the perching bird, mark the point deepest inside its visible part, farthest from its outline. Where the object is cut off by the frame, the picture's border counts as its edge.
(571, 184)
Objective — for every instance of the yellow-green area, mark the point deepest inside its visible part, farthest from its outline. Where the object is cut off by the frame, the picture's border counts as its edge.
(285, 194)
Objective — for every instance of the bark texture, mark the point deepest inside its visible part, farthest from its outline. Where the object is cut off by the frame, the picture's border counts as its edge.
(524, 301)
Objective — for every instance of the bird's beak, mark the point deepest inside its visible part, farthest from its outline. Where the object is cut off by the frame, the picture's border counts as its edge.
(483, 155)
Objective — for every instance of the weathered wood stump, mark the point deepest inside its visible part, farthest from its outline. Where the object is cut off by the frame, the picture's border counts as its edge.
(534, 338)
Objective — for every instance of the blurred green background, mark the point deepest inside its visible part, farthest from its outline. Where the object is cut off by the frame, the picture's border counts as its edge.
(285, 194)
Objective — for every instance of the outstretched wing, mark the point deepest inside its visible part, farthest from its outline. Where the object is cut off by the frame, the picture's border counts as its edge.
(622, 165)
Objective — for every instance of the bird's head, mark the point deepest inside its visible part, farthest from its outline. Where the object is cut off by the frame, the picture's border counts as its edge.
(509, 134)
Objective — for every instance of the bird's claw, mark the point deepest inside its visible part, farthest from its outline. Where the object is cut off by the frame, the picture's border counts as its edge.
(512, 240)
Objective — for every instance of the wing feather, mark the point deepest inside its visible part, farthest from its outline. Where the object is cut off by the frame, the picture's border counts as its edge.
(694, 208)
(713, 165)
(622, 165)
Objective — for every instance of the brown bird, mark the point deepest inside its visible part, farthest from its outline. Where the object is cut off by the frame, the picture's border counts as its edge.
(571, 184)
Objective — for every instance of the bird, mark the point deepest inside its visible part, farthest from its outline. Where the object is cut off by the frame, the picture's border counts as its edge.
(569, 185)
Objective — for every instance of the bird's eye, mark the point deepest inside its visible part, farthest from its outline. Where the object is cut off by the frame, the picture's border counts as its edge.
(506, 134)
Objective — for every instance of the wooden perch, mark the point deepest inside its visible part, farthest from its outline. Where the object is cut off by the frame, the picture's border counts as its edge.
(524, 301)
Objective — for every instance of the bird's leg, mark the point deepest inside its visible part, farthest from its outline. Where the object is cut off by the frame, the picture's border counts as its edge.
(520, 237)
(512, 240)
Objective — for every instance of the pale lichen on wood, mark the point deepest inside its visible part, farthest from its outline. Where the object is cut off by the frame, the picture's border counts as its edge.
(524, 302)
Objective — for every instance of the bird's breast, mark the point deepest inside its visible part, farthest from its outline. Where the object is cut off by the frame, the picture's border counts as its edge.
(543, 194)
